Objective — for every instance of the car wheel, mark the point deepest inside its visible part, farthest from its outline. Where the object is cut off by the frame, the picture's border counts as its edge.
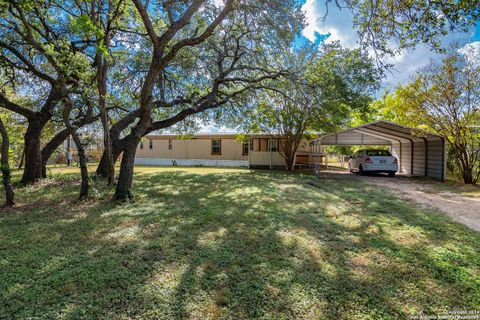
(360, 170)
(391, 174)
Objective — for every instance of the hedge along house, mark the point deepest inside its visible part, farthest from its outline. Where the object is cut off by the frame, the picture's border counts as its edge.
(419, 153)
(222, 150)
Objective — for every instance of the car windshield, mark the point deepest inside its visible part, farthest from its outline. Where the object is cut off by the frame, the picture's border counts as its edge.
(378, 153)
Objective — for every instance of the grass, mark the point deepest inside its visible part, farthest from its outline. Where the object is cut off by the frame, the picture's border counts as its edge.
(204, 243)
(455, 186)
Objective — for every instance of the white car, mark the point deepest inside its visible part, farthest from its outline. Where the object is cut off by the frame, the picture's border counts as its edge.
(373, 161)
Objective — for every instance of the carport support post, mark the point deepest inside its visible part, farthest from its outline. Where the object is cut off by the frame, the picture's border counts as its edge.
(250, 143)
(426, 157)
(412, 153)
(310, 154)
(444, 151)
(400, 161)
(270, 149)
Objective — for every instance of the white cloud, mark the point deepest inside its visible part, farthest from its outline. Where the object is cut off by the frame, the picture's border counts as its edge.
(471, 51)
(338, 23)
(219, 3)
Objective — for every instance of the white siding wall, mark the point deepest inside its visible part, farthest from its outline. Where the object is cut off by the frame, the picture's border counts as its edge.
(265, 158)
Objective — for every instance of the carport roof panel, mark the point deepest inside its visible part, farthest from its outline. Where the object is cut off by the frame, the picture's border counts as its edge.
(353, 137)
(379, 131)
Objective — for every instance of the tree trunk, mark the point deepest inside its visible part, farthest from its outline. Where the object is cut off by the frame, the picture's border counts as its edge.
(289, 162)
(33, 155)
(109, 160)
(50, 148)
(102, 169)
(20, 165)
(124, 185)
(5, 167)
(467, 175)
(82, 160)
(102, 104)
(117, 144)
(289, 156)
(464, 162)
(102, 166)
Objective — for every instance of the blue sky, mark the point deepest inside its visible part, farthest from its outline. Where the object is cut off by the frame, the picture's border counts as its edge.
(476, 35)
(338, 25)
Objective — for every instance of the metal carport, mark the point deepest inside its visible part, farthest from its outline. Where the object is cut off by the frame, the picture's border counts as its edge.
(419, 153)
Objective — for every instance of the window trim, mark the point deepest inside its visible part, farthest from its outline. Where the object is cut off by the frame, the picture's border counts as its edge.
(270, 147)
(247, 146)
(150, 144)
(170, 145)
(220, 148)
(141, 144)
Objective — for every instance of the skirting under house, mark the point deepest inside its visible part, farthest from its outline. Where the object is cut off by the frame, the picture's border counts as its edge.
(191, 162)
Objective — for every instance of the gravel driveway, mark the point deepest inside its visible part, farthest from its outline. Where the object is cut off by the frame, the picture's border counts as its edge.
(460, 208)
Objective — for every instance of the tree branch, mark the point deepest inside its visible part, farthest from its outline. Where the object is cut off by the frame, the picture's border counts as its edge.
(30, 66)
(7, 104)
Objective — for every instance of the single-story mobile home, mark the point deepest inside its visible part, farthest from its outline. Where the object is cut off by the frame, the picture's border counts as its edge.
(215, 149)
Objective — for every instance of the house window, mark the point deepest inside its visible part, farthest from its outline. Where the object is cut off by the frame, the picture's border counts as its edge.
(141, 144)
(169, 144)
(245, 148)
(150, 144)
(273, 144)
(216, 146)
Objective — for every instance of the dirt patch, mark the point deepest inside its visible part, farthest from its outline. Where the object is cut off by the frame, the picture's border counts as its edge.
(460, 208)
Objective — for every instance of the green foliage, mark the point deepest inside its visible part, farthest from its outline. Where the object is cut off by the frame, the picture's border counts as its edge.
(185, 136)
(241, 137)
(391, 25)
(15, 126)
(84, 26)
(393, 107)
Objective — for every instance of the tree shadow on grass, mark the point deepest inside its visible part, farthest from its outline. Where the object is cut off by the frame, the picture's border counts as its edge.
(238, 245)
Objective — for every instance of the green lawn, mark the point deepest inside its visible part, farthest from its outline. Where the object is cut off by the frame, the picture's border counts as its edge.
(455, 186)
(204, 243)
